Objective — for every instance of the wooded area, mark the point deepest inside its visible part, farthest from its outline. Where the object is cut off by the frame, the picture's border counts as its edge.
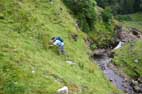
(122, 6)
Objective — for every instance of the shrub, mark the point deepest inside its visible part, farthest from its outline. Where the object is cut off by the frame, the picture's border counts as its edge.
(124, 18)
(84, 11)
(93, 46)
(107, 15)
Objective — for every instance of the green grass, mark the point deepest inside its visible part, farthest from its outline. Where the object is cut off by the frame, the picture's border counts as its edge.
(103, 34)
(135, 22)
(26, 26)
(129, 59)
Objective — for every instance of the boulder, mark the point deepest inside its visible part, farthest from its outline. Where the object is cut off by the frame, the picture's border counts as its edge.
(137, 89)
(140, 80)
(136, 61)
(134, 83)
(63, 90)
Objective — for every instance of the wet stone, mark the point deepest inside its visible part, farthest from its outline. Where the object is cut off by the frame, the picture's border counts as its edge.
(134, 82)
(125, 85)
(140, 79)
(137, 88)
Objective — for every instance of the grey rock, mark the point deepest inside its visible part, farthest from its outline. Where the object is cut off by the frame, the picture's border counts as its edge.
(135, 83)
(136, 61)
(137, 88)
(140, 79)
(70, 62)
(63, 90)
(125, 85)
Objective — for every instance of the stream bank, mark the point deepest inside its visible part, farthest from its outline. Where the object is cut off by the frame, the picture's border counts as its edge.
(103, 57)
(104, 61)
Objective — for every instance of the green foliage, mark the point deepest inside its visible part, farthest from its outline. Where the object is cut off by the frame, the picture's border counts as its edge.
(99, 23)
(132, 20)
(12, 87)
(123, 18)
(107, 15)
(84, 11)
(28, 66)
(121, 6)
(93, 46)
(129, 58)
(103, 35)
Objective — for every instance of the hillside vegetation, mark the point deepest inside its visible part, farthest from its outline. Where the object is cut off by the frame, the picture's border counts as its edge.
(93, 20)
(121, 6)
(129, 59)
(29, 66)
(131, 20)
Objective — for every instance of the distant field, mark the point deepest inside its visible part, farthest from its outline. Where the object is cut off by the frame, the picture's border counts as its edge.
(133, 20)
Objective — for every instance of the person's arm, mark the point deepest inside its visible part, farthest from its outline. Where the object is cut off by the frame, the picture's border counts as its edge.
(56, 42)
(51, 43)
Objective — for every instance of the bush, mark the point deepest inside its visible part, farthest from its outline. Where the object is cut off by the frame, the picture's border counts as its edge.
(93, 46)
(84, 11)
(107, 15)
(124, 18)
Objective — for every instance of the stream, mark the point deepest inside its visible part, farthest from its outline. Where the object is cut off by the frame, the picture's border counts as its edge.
(103, 57)
(103, 60)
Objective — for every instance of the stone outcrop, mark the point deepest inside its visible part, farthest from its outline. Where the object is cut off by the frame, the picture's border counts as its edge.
(128, 34)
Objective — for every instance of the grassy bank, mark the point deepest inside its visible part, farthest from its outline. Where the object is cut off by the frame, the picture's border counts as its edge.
(132, 20)
(29, 66)
(129, 59)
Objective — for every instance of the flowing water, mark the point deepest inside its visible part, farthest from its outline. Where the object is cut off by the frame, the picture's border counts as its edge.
(117, 80)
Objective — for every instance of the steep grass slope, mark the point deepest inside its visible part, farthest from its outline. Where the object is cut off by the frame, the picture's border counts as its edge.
(29, 66)
(129, 59)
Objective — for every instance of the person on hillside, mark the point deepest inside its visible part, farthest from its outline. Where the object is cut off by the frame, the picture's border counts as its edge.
(58, 41)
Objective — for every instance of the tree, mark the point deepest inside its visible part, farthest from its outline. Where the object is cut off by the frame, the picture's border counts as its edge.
(107, 15)
(121, 6)
(137, 5)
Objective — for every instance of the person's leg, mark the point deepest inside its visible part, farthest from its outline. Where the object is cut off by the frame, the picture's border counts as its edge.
(62, 50)
(59, 50)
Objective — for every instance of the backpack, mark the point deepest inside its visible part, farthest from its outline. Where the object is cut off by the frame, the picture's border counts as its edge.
(60, 39)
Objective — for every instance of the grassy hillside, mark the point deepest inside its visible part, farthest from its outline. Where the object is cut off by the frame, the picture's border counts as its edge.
(132, 20)
(129, 59)
(29, 66)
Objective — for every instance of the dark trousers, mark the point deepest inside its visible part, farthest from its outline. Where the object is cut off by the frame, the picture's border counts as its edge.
(61, 50)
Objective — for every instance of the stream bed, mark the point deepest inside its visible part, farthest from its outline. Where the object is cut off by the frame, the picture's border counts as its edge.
(103, 60)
